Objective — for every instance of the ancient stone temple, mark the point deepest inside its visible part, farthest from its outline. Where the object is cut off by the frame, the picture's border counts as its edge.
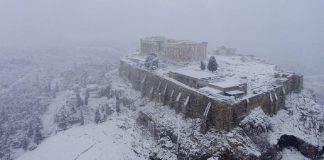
(224, 51)
(176, 50)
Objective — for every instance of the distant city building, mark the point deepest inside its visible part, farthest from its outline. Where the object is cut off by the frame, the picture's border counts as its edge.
(225, 51)
(177, 50)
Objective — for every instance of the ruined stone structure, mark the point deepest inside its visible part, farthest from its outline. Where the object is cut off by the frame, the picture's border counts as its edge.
(215, 113)
(176, 50)
(225, 51)
(152, 45)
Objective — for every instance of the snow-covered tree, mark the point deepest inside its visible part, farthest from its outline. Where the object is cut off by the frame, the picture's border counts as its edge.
(102, 109)
(84, 79)
(24, 143)
(108, 110)
(212, 64)
(38, 137)
(78, 100)
(62, 118)
(152, 61)
(108, 91)
(30, 131)
(202, 65)
(97, 116)
(57, 88)
(73, 110)
(117, 104)
(86, 97)
(81, 118)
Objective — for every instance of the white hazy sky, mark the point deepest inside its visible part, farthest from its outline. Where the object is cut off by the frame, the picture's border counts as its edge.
(272, 28)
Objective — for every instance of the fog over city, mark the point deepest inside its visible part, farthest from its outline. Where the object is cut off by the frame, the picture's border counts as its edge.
(272, 29)
(288, 33)
(55, 42)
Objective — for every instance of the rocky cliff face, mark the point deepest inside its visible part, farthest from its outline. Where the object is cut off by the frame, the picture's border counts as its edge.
(256, 137)
(308, 150)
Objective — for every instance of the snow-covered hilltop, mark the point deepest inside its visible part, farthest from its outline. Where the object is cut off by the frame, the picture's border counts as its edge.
(153, 107)
(222, 95)
(220, 99)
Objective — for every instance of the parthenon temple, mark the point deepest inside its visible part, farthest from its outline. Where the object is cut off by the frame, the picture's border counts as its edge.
(177, 50)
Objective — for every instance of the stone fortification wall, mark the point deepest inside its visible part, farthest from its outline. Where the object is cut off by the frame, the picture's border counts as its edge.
(270, 101)
(214, 113)
(183, 99)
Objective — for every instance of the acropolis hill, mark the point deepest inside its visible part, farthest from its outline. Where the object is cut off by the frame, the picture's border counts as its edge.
(222, 99)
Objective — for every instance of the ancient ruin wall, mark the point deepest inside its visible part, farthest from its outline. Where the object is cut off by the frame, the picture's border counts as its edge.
(193, 104)
(270, 101)
(176, 96)
(175, 50)
(187, 52)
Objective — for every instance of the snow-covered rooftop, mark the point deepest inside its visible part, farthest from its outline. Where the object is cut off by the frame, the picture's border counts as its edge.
(235, 92)
(195, 73)
(226, 83)
(210, 90)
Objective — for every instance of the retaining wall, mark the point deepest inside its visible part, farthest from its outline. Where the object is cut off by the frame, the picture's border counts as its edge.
(192, 104)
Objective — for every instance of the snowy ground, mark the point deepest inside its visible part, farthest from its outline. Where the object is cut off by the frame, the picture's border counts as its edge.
(117, 138)
(258, 75)
(292, 154)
